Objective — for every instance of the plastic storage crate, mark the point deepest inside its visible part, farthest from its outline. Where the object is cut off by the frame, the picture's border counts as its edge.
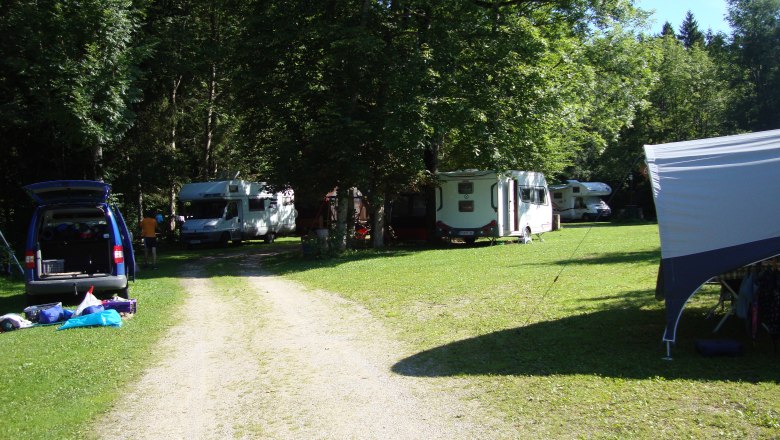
(52, 266)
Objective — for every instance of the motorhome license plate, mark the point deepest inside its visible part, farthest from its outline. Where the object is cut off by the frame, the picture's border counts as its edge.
(466, 232)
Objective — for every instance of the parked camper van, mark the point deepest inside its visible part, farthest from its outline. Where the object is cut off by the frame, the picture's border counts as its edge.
(472, 204)
(576, 200)
(221, 211)
(76, 240)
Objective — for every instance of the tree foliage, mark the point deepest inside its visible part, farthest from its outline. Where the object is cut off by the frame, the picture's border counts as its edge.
(374, 94)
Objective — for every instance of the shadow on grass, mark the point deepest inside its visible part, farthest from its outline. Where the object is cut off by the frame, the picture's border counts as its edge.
(653, 256)
(618, 342)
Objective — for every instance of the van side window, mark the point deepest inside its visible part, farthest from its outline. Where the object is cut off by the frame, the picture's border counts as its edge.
(232, 211)
(525, 195)
(256, 205)
(465, 187)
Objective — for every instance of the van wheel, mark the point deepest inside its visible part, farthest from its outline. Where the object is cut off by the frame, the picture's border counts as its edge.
(124, 293)
(224, 239)
(269, 237)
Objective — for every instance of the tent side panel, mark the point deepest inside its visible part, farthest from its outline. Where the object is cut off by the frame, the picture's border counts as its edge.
(683, 276)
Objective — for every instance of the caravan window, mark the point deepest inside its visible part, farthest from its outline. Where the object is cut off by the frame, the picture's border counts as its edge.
(256, 205)
(558, 195)
(525, 195)
(466, 206)
(541, 196)
(465, 187)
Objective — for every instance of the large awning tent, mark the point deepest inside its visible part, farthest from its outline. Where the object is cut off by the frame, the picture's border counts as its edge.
(718, 207)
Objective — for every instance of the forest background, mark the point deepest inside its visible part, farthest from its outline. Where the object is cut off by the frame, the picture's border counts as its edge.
(371, 94)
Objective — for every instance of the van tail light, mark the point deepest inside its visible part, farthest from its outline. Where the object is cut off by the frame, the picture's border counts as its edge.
(119, 255)
(29, 259)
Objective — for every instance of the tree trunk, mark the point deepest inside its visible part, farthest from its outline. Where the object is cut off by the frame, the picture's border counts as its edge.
(172, 184)
(209, 126)
(378, 220)
(431, 159)
(209, 164)
(351, 217)
(97, 163)
(140, 200)
(341, 226)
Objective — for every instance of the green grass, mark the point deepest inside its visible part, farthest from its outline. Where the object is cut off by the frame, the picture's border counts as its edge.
(55, 383)
(559, 339)
(576, 357)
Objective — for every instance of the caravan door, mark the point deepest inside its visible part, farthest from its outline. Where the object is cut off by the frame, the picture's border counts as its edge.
(534, 205)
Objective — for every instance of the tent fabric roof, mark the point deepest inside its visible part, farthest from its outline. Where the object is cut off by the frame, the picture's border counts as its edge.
(718, 209)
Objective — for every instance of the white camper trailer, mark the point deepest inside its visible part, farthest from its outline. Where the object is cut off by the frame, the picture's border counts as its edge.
(576, 200)
(216, 212)
(472, 204)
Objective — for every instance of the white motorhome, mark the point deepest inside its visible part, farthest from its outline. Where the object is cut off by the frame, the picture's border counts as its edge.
(575, 200)
(220, 211)
(472, 204)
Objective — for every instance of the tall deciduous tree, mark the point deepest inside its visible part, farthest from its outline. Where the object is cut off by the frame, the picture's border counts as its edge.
(69, 78)
(756, 25)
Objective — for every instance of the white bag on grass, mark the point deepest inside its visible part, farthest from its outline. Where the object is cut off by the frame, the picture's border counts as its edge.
(89, 300)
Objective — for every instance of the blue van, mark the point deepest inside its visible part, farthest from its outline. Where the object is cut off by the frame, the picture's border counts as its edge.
(76, 240)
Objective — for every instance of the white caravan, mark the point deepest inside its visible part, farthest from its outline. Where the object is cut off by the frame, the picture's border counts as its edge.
(576, 200)
(472, 204)
(216, 212)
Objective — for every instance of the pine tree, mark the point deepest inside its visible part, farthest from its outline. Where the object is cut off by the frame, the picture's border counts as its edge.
(689, 31)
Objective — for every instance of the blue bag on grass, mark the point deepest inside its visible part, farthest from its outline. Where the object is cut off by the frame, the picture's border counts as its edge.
(51, 315)
(106, 318)
(92, 309)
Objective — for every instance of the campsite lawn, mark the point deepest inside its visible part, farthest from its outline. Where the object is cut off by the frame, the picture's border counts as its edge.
(562, 338)
(55, 383)
(559, 339)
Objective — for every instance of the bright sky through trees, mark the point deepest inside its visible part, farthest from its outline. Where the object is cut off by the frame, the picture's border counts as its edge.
(708, 13)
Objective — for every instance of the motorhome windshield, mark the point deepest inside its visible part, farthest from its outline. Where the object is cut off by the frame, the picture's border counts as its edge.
(205, 209)
(593, 201)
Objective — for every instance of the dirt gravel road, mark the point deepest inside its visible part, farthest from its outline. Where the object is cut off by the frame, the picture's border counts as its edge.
(302, 364)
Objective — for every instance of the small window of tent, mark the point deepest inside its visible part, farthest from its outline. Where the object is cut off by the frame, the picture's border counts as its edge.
(525, 195)
(540, 196)
(575, 190)
(466, 206)
(256, 204)
(465, 187)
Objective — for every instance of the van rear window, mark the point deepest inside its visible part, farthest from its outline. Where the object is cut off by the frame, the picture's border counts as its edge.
(466, 206)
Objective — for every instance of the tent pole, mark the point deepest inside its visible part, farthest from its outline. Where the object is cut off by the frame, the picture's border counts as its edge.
(668, 356)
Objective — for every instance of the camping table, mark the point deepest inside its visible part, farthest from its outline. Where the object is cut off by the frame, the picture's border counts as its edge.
(728, 292)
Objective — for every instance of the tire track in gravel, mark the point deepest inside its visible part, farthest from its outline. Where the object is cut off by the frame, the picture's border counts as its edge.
(313, 365)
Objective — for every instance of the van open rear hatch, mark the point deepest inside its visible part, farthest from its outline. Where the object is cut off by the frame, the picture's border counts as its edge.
(69, 191)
